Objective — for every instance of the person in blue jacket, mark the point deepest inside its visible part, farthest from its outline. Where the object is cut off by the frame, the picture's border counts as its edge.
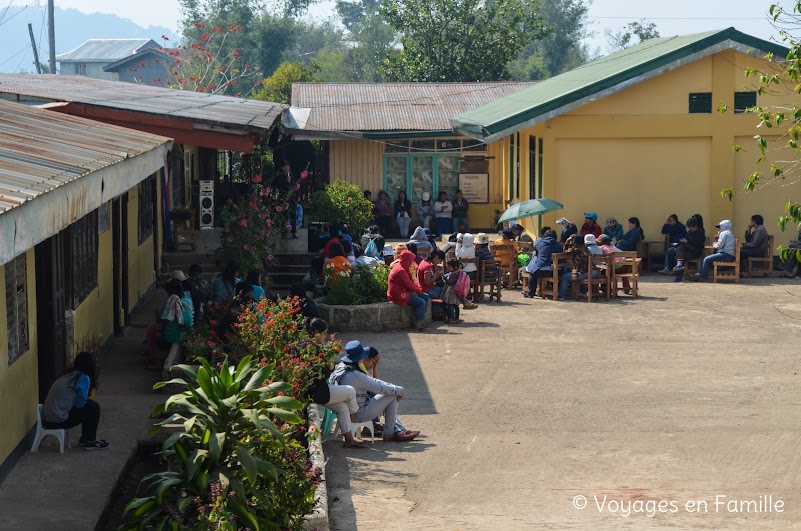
(541, 265)
(632, 238)
(68, 404)
(676, 231)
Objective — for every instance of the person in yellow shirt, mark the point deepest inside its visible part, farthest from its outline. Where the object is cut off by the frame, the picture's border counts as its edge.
(508, 238)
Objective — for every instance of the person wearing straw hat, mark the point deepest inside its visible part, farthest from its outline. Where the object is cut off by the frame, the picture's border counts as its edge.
(374, 397)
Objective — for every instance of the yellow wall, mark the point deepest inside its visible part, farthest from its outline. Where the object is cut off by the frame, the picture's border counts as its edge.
(19, 383)
(640, 153)
(140, 257)
(360, 162)
(94, 316)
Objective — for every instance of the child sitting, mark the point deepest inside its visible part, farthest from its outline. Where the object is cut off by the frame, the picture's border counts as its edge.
(457, 286)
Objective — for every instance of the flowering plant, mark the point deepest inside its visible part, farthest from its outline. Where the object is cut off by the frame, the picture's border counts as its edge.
(342, 201)
(368, 285)
(250, 233)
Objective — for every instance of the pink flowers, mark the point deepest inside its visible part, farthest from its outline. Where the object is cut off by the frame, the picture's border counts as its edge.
(297, 186)
(278, 209)
(268, 190)
(304, 174)
(257, 179)
(243, 222)
(270, 258)
(246, 247)
(269, 223)
(350, 199)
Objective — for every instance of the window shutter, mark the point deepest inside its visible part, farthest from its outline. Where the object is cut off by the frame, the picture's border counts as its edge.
(744, 100)
(700, 103)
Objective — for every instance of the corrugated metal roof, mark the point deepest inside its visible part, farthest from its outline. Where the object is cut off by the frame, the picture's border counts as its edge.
(522, 109)
(393, 106)
(41, 150)
(103, 50)
(199, 107)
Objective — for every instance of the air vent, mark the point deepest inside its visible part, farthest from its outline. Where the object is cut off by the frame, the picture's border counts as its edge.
(743, 101)
(700, 103)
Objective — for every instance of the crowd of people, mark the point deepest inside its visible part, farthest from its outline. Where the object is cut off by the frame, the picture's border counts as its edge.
(442, 216)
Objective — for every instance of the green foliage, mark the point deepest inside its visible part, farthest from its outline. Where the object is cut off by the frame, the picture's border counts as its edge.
(278, 87)
(342, 201)
(351, 13)
(563, 49)
(249, 232)
(368, 285)
(458, 40)
(631, 34)
(227, 463)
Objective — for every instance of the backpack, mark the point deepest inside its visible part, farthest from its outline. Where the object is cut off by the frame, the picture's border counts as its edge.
(462, 287)
(372, 250)
(203, 287)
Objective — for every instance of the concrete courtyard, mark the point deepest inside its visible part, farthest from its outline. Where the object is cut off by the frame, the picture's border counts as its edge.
(542, 414)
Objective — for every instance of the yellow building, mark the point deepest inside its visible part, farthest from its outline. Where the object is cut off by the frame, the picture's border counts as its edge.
(398, 137)
(79, 211)
(638, 133)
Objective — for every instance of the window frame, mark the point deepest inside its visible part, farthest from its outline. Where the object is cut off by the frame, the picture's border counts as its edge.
(410, 170)
(144, 209)
(17, 308)
(742, 109)
(693, 102)
(84, 251)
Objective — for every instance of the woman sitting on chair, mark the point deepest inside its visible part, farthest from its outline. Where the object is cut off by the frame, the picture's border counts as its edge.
(68, 403)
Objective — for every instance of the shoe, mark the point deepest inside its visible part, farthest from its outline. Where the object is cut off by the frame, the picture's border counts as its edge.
(469, 306)
(664, 271)
(696, 277)
(528, 296)
(678, 269)
(99, 444)
(402, 436)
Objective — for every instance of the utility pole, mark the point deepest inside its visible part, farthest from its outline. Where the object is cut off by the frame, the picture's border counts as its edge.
(35, 51)
(51, 35)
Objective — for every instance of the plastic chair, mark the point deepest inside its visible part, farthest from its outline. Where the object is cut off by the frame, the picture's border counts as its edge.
(41, 432)
(357, 426)
(328, 421)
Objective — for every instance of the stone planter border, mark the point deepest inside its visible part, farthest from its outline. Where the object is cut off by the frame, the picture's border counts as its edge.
(376, 317)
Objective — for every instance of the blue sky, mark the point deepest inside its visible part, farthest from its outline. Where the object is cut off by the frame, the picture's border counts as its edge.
(672, 18)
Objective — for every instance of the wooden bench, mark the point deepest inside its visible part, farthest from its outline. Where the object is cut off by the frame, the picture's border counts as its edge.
(549, 286)
(766, 261)
(596, 285)
(729, 270)
(623, 259)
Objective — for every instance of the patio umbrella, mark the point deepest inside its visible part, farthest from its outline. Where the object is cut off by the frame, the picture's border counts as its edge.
(531, 207)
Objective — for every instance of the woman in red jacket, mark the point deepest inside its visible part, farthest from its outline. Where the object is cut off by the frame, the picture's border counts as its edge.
(402, 290)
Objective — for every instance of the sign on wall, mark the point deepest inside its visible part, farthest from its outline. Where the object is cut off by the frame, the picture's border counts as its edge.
(475, 187)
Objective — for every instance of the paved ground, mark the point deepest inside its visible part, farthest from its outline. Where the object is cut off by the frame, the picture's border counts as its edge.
(50, 491)
(688, 393)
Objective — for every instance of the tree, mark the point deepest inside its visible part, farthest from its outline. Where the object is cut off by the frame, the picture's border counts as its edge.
(563, 49)
(631, 34)
(781, 155)
(351, 13)
(458, 40)
(278, 87)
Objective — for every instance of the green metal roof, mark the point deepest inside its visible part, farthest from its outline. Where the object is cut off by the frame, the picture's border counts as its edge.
(549, 98)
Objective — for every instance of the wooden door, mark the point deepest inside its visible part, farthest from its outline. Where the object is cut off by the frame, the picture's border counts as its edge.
(51, 307)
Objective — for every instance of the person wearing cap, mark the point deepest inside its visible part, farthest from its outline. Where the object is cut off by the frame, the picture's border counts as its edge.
(466, 250)
(613, 229)
(726, 247)
(404, 291)
(443, 214)
(591, 225)
(425, 210)
(592, 245)
(607, 248)
(374, 397)
(174, 324)
(486, 258)
(520, 234)
(541, 264)
(180, 277)
(569, 230)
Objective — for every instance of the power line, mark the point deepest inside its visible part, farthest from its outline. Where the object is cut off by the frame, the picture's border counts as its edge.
(680, 18)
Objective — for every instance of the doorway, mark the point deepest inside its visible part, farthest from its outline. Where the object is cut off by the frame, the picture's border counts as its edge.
(119, 243)
(51, 307)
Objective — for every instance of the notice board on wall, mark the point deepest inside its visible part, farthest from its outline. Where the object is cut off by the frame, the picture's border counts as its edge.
(475, 187)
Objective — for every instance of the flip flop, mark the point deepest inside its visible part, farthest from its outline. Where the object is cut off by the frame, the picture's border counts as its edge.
(357, 446)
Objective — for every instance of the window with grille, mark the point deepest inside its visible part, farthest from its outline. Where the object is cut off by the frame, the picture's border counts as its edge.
(743, 101)
(17, 307)
(701, 103)
(83, 239)
(145, 208)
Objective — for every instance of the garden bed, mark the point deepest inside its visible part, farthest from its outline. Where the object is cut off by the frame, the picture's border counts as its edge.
(375, 317)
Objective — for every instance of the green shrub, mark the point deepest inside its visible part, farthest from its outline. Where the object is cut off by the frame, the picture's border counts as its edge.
(367, 286)
(231, 466)
(342, 201)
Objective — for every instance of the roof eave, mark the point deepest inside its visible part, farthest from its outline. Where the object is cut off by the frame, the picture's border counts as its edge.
(703, 48)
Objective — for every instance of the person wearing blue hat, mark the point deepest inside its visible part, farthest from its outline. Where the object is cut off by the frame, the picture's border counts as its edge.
(591, 225)
(374, 397)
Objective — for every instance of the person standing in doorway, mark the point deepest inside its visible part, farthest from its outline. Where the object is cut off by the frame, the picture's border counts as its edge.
(460, 207)
(403, 214)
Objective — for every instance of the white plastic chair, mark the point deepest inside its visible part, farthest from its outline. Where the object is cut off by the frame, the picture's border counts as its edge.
(41, 432)
(357, 426)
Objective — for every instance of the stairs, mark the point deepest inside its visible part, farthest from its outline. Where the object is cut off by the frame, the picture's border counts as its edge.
(291, 269)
